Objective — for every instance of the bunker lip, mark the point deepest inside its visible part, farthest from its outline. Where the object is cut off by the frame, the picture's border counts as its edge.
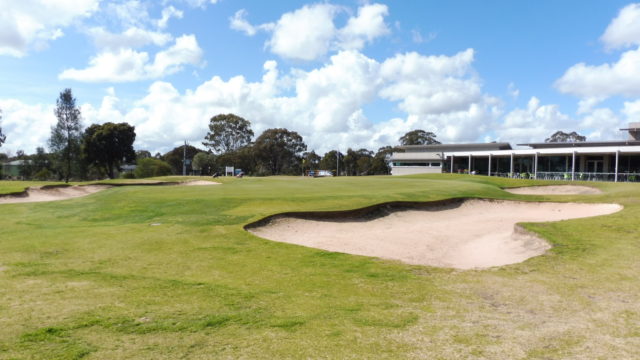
(51, 193)
(554, 190)
(454, 233)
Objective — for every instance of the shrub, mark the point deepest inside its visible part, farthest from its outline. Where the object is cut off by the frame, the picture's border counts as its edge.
(152, 167)
(128, 175)
(42, 175)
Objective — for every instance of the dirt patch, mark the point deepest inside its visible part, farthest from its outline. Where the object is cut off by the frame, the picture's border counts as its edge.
(464, 235)
(52, 193)
(199, 183)
(555, 190)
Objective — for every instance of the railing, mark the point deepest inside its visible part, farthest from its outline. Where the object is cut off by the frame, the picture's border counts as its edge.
(578, 176)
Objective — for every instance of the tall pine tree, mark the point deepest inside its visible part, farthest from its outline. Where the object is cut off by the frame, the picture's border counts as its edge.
(66, 135)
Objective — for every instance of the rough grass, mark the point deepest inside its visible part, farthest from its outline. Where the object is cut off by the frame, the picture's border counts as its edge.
(92, 278)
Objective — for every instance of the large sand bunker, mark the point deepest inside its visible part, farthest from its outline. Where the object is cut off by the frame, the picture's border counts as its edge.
(554, 190)
(51, 193)
(458, 234)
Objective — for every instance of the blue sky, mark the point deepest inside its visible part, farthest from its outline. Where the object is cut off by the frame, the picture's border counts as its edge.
(341, 73)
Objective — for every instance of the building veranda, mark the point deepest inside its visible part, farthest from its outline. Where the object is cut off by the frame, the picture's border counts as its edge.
(588, 160)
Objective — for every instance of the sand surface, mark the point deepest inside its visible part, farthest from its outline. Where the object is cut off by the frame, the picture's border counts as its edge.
(37, 194)
(199, 183)
(473, 234)
(554, 190)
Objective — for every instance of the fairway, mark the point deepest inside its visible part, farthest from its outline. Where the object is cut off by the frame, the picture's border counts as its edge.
(168, 272)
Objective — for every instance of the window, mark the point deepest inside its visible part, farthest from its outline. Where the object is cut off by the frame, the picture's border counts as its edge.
(435, 164)
(410, 164)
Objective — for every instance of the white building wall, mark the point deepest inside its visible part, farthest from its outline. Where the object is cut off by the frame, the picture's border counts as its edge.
(410, 170)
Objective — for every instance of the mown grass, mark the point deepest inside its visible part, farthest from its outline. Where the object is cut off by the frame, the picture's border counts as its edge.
(167, 272)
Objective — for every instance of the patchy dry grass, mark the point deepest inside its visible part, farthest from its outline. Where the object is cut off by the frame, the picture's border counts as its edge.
(91, 278)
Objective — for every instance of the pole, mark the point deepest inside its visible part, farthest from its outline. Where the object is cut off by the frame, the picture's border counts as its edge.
(511, 166)
(489, 172)
(573, 166)
(535, 166)
(469, 163)
(184, 159)
(452, 163)
(337, 162)
(615, 178)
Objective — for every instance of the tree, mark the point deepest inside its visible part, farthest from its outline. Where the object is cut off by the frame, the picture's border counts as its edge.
(2, 136)
(228, 132)
(563, 137)
(310, 160)
(176, 156)
(142, 154)
(65, 136)
(278, 151)
(108, 145)
(332, 159)
(380, 162)
(418, 137)
(150, 167)
(204, 163)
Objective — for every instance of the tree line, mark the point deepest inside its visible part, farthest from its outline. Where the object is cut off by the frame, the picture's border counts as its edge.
(101, 150)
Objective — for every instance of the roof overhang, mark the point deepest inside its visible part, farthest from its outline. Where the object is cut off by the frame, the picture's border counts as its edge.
(552, 151)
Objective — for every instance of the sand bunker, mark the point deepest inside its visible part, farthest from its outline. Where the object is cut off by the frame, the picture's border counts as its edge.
(464, 235)
(49, 193)
(199, 183)
(554, 190)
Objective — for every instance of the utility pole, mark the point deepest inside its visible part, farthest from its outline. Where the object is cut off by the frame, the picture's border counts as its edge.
(184, 159)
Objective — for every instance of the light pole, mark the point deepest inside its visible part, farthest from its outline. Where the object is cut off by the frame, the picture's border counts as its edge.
(184, 159)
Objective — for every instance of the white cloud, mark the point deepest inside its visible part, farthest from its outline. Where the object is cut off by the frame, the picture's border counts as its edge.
(595, 83)
(304, 34)
(168, 13)
(365, 27)
(239, 22)
(418, 38)
(326, 105)
(131, 38)
(130, 13)
(129, 65)
(535, 123)
(513, 91)
(601, 124)
(431, 84)
(29, 24)
(606, 80)
(309, 33)
(624, 30)
(631, 110)
(18, 121)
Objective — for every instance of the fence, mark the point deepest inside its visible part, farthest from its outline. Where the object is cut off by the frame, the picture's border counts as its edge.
(579, 176)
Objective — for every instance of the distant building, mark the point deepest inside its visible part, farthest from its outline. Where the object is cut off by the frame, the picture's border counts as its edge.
(588, 160)
(11, 169)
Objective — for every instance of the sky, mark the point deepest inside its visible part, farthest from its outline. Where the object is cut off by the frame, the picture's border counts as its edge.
(343, 74)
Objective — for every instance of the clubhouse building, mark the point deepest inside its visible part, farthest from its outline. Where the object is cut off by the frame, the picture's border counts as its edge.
(588, 160)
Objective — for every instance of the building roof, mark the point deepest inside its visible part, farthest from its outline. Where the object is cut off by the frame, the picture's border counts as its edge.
(552, 151)
(457, 147)
(546, 145)
(416, 156)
